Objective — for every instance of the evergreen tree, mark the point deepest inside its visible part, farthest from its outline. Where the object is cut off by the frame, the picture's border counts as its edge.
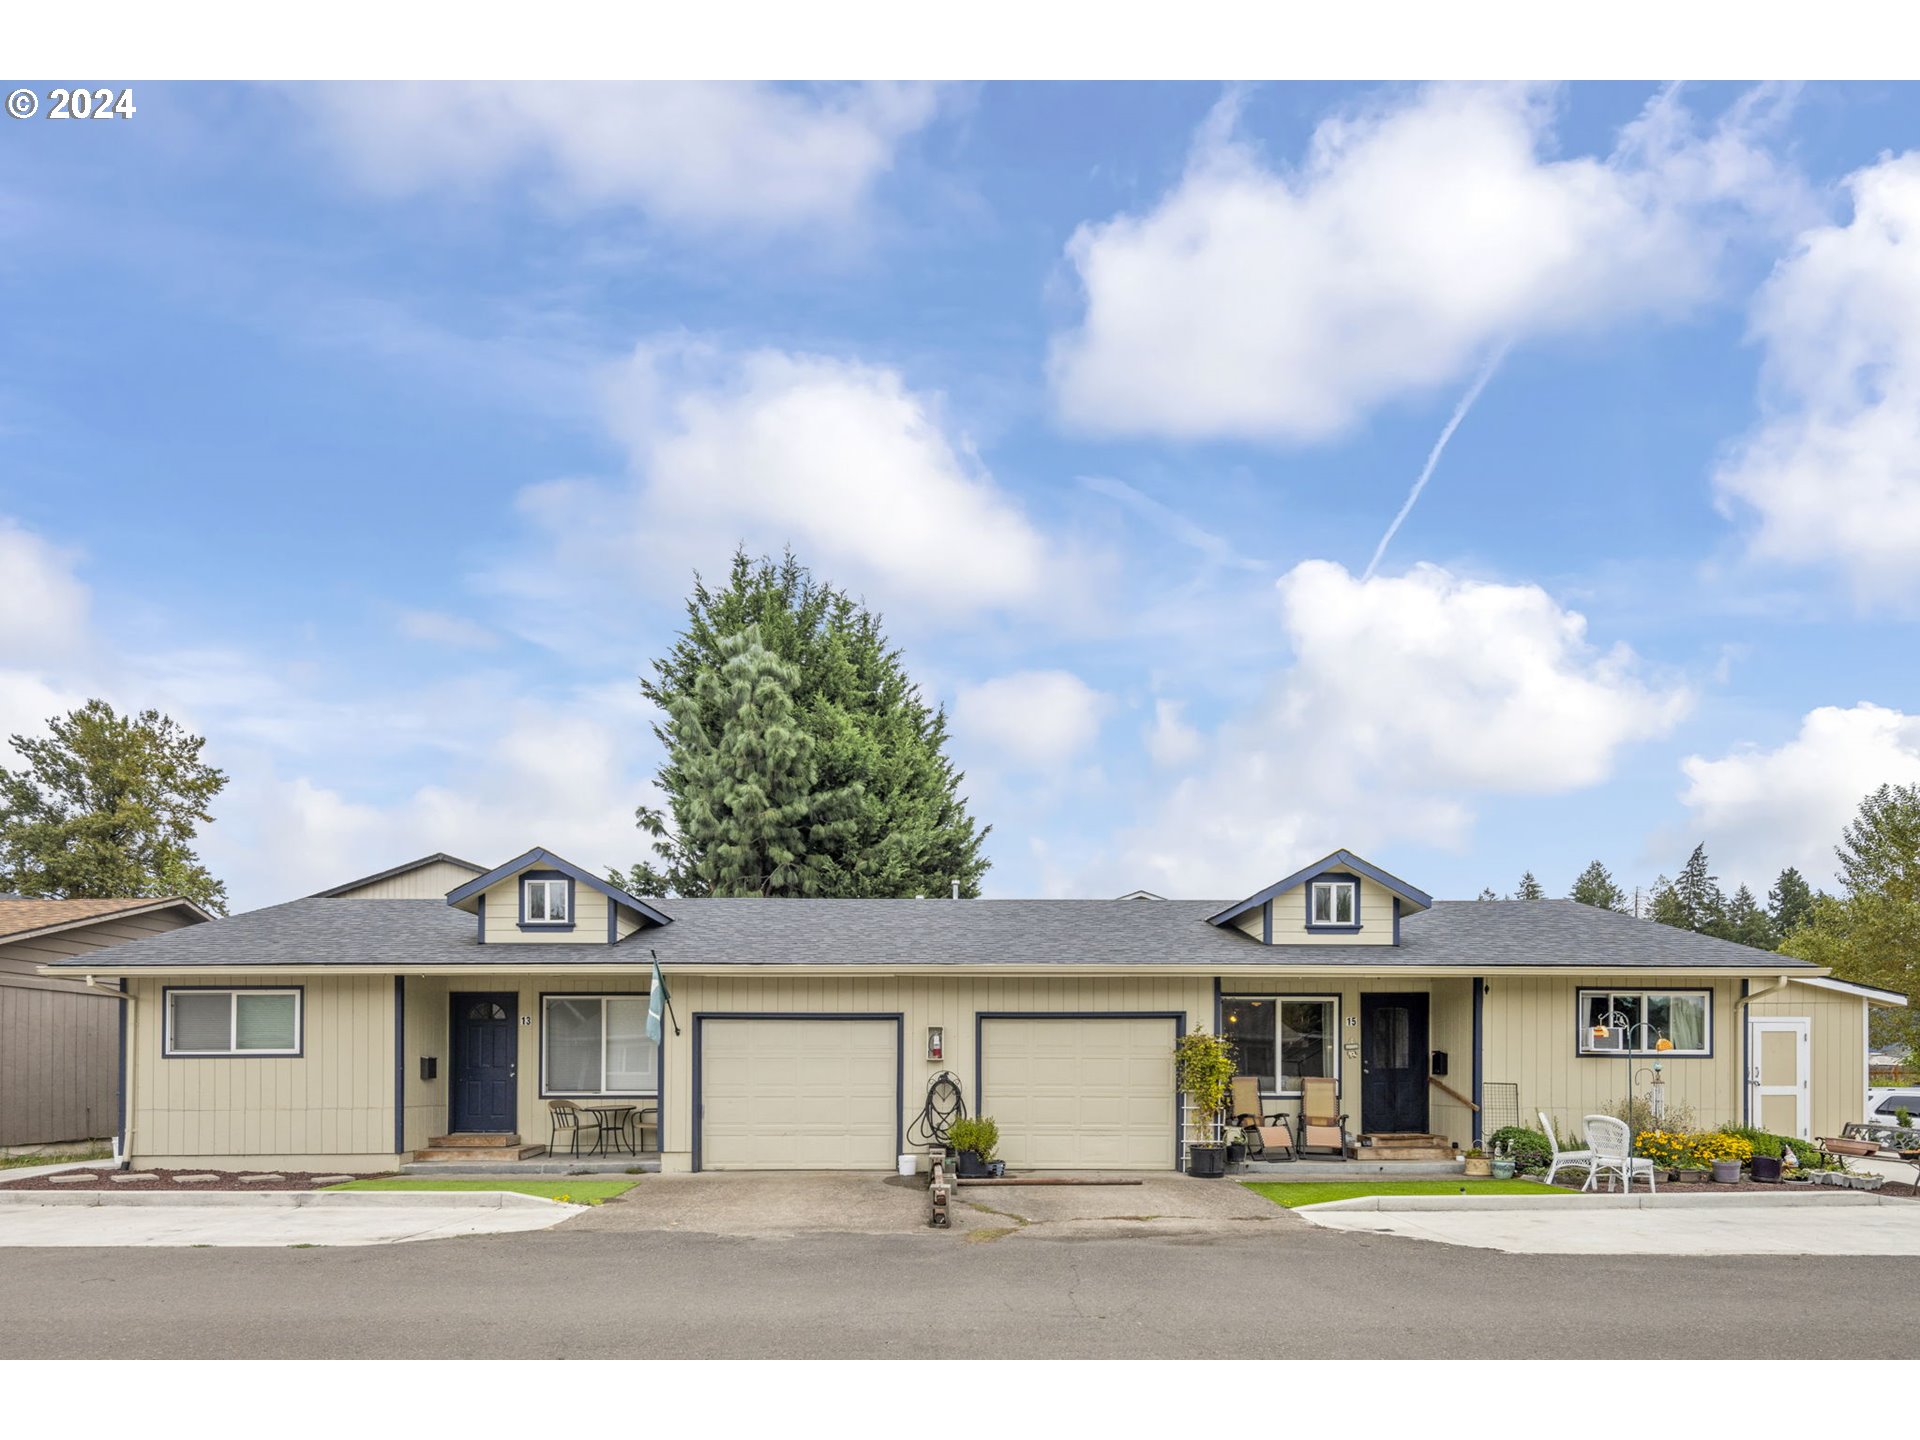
(107, 808)
(1664, 906)
(1872, 933)
(1693, 901)
(910, 833)
(1530, 888)
(1747, 923)
(1488, 895)
(1595, 887)
(757, 821)
(1789, 902)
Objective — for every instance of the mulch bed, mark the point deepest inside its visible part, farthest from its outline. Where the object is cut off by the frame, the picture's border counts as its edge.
(165, 1180)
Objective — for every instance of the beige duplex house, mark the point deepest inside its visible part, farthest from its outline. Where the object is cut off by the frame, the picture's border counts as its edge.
(438, 1001)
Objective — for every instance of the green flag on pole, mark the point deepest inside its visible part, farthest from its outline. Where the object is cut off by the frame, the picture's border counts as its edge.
(657, 1002)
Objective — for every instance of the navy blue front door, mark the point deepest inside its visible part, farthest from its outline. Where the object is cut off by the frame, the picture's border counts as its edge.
(480, 1099)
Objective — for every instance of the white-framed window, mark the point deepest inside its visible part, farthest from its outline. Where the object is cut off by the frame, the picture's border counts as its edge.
(1645, 1022)
(545, 902)
(233, 1022)
(1334, 902)
(1283, 1039)
(597, 1045)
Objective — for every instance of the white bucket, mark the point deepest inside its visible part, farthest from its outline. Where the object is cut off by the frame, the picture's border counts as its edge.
(909, 1164)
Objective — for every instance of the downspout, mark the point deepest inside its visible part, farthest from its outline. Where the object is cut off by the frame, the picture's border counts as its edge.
(123, 1131)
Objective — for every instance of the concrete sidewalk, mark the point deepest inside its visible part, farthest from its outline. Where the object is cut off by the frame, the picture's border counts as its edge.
(1857, 1224)
(41, 1219)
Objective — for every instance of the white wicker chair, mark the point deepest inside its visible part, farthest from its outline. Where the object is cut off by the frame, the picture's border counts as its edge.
(1562, 1159)
(1612, 1155)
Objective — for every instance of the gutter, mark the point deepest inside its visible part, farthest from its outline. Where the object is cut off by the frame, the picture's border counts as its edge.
(123, 1132)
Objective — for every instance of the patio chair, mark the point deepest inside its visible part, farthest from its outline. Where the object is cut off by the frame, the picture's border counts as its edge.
(1562, 1159)
(1265, 1133)
(1321, 1126)
(567, 1118)
(1612, 1155)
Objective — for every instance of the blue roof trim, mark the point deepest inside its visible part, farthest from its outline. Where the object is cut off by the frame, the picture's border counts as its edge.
(1345, 858)
(538, 856)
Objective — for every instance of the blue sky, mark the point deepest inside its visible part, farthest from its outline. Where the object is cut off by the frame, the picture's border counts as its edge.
(376, 432)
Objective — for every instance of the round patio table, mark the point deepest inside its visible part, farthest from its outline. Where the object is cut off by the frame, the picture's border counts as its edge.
(613, 1121)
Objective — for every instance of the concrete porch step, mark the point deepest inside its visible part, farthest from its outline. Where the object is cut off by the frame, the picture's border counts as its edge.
(473, 1141)
(475, 1155)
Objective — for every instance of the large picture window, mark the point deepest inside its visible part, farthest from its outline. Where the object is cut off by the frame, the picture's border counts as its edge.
(1282, 1038)
(1645, 1022)
(233, 1022)
(598, 1045)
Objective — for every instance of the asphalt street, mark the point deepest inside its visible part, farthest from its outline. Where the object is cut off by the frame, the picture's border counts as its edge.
(1281, 1289)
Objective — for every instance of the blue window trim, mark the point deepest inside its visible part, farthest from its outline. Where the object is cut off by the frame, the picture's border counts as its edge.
(167, 1052)
(544, 926)
(659, 1049)
(480, 919)
(1227, 995)
(1333, 877)
(542, 857)
(1580, 994)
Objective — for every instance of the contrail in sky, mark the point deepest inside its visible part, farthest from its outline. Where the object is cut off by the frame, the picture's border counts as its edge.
(1433, 455)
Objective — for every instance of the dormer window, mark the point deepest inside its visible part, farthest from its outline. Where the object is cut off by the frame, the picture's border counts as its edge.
(544, 902)
(1334, 902)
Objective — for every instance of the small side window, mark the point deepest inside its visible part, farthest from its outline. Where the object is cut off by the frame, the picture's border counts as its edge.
(1334, 902)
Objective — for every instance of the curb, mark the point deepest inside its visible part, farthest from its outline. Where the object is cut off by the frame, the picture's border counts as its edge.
(284, 1199)
(1742, 1201)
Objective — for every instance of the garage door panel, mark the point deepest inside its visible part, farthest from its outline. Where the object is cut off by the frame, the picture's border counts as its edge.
(799, 1094)
(1080, 1093)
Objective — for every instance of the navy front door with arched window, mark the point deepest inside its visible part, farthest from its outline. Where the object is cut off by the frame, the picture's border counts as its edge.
(485, 1055)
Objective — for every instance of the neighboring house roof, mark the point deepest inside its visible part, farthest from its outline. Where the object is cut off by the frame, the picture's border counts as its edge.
(1339, 859)
(21, 918)
(439, 857)
(547, 860)
(1472, 936)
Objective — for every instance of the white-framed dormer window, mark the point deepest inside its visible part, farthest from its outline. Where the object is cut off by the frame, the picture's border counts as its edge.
(544, 902)
(1334, 902)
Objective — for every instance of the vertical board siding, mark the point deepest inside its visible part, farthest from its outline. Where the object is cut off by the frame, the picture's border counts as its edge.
(336, 1098)
(503, 917)
(951, 1003)
(58, 1069)
(1837, 1067)
(428, 882)
(1290, 917)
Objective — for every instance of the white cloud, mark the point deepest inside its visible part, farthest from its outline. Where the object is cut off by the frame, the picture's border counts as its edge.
(1414, 238)
(1759, 811)
(839, 459)
(436, 628)
(1407, 698)
(473, 765)
(1832, 473)
(701, 155)
(1171, 741)
(1036, 719)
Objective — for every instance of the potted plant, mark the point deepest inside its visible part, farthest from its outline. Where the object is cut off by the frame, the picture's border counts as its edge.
(1204, 1067)
(974, 1142)
(1479, 1167)
(1236, 1139)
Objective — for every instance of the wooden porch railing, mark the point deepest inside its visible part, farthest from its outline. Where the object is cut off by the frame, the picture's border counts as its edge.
(1441, 1085)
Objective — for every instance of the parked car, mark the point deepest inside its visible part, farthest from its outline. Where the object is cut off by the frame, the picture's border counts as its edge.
(1885, 1102)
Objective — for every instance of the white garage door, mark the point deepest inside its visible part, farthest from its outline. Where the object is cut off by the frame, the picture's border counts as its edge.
(799, 1094)
(1080, 1093)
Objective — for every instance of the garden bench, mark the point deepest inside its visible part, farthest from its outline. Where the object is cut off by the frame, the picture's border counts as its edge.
(1883, 1142)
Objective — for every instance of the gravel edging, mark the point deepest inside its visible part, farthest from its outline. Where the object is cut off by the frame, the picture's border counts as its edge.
(168, 1182)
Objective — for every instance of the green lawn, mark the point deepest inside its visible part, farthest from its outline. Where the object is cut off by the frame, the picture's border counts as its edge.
(580, 1192)
(20, 1162)
(1293, 1194)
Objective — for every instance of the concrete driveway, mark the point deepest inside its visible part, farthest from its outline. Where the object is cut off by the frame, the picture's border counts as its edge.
(290, 1218)
(830, 1202)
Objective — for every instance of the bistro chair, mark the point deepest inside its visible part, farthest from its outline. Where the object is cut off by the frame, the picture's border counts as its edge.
(1321, 1126)
(1267, 1135)
(566, 1118)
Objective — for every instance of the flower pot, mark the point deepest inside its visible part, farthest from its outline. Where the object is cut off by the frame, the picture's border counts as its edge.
(1479, 1167)
(1237, 1153)
(1726, 1172)
(1503, 1168)
(1207, 1162)
(1766, 1169)
(1688, 1175)
(971, 1166)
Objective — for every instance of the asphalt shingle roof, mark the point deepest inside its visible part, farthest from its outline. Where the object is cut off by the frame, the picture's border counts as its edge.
(25, 916)
(1473, 935)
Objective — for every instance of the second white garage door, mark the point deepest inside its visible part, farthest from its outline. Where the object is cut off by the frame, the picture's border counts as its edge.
(1075, 1093)
(799, 1094)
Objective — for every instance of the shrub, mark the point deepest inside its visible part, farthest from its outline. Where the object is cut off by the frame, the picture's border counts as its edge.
(979, 1135)
(1204, 1067)
(1529, 1149)
(1774, 1147)
(1713, 1145)
(1675, 1119)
